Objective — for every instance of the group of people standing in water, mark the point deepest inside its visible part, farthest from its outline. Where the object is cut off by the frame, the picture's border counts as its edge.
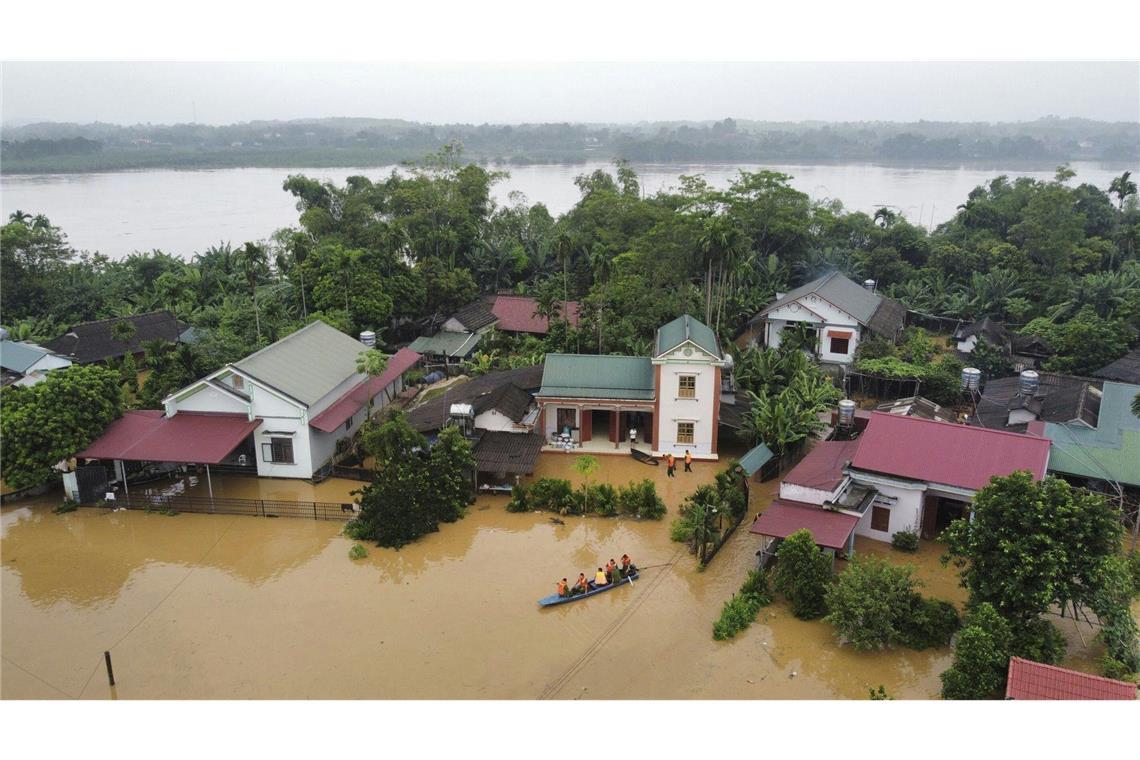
(613, 572)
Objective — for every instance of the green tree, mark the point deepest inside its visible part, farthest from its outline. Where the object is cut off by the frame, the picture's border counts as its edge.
(1122, 187)
(53, 420)
(586, 465)
(981, 657)
(371, 362)
(253, 263)
(1032, 546)
(453, 468)
(803, 574)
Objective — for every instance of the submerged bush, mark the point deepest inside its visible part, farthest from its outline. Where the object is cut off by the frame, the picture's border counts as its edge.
(558, 495)
(740, 611)
(905, 540)
(930, 623)
(803, 573)
(641, 500)
(357, 552)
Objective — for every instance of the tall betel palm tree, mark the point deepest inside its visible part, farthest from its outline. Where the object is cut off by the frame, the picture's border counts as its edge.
(253, 263)
(1122, 187)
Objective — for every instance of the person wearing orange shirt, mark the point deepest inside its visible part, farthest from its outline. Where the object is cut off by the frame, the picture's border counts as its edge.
(688, 461)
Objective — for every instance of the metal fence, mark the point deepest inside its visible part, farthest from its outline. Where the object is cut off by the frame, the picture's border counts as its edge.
(316, 510)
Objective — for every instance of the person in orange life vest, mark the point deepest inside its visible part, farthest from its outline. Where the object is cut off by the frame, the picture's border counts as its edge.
(670, 464)
(581, 586)
(610, 567)
(563, 588)
(626, 565)
(688, 461)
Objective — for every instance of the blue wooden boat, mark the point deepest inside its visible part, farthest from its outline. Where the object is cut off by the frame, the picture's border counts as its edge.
(553, 599)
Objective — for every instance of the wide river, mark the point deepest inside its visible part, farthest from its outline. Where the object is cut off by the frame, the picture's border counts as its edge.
(203, 606)
(184, 212)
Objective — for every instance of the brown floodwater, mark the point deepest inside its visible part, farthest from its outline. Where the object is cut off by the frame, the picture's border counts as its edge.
(204, 606)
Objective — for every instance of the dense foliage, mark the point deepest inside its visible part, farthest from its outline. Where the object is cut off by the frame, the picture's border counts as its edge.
(416, 487)
(707, 514)
(50, 421)
(1035, 546)
(786, 392)
(385, 254)
(981, 657)
(874, 605)
(803, 575)
(740, 611)
(636, 499)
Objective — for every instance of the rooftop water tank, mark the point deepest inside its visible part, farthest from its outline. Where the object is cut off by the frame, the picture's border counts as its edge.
(846, 413)
(1028, 382)
(869, 285)
(368, 338)
(971, 379)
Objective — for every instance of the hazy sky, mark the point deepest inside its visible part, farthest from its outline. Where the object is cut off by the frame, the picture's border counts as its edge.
(222, 93)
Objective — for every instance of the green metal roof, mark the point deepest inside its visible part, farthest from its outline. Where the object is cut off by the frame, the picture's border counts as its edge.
(755, 459)
(18, 357)
(1111, 451)
(453, 344)
(685, 328)
(588, 376)
(307, 364)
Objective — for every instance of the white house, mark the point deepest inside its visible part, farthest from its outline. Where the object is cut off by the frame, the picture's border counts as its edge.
(837, 311)
(671, 400)
(281, 410)
(306, 391)
(902, 473)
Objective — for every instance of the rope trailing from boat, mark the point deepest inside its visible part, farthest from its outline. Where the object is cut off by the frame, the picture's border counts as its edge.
(556, 685)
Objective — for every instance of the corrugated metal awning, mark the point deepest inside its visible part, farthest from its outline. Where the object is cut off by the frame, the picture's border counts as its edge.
(755, 458)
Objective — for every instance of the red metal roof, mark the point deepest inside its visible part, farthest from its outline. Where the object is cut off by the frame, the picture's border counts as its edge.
(1034, 680)
(822, 468)
(187, 437)
(357, 397)
(945, 452)
(783, 518)
(516, 314)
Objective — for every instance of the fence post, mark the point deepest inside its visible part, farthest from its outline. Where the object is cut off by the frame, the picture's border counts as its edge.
(262, 503)
(314, 510)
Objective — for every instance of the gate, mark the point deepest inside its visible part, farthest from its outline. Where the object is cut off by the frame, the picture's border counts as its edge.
(92, 483)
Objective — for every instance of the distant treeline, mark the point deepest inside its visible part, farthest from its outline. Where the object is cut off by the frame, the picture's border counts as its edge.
(56, 147)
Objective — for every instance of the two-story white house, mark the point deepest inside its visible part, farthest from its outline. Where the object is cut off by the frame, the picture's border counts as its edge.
(666, 403)
(838, 312)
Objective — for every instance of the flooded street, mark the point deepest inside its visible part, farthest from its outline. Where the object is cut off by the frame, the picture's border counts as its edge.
(203, 606)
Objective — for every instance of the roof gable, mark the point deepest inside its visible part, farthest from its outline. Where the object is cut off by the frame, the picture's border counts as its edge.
(19, 357)
(307, 364)
(1034, 680)
(685, 329)
(840, 292)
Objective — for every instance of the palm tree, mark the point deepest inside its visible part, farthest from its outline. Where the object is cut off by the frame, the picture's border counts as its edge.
(564, 251)
(1122, 187)
(253, 263)
(372, 363)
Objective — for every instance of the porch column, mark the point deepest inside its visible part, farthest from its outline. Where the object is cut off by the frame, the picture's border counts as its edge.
(586, 426)
(210, 487)
(614, 427)
(121, 471)
(715, 410)
(851, 545)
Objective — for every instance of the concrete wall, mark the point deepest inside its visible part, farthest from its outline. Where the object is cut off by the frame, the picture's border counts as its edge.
(208, 399)
(700, 410)
(906, 512)
(492, 419)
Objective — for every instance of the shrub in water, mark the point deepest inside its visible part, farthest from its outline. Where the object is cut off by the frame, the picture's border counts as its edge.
(740, 611)
(602, 499)
(553, 495)
(930, 623)
(357, 552)
(641, 500)
(519, 501)
(803, 574)
(905, 540)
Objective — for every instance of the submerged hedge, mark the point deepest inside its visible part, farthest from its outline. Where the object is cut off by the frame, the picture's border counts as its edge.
(557, 495)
